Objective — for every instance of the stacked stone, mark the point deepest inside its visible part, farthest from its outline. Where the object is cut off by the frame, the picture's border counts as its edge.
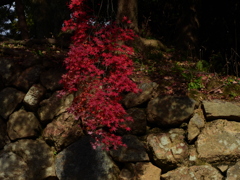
(171, 137)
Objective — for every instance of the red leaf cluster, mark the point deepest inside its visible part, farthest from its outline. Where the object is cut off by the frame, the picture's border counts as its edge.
(98, 68)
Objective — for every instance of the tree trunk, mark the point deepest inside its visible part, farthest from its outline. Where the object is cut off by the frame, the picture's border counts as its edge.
(188, 25)
(22, 24)
(129, 9)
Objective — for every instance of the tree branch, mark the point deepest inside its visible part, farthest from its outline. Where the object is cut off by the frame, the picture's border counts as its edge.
(4, 2)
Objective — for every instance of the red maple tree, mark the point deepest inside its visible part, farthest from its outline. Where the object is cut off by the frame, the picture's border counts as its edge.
(98, 68)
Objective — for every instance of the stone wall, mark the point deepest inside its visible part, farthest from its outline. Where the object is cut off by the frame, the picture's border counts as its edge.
(171, 137)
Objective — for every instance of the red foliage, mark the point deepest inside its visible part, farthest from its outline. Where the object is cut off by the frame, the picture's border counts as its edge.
(98, 67)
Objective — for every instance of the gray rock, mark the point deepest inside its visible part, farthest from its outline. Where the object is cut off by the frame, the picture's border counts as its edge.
(170, 110)
(54, 106)
(134, 152)
(22, 124)
(206, 172)
(221, 110)
(9, 100)
(50, 79)
(233, 172)
(169, 150)
(12, 167)
(81, 161)
(32, 159)
(195, 125)
(4, 139)
(219, 142)
(147, 92)
(62, 131)
(34, 96)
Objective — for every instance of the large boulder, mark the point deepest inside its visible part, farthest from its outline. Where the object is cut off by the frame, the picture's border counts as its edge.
(62, 131)
(27, 160)
(9, 100)
(28, 77)
(133, 152)
(22, 124)
(54, 106)
(170, 110)
(50, 79)
(169, 150)
(206, 172)
(34, 96)
(147, 92)
(219, 142)
(140, 171)
(221, 110)
(139, 123)
(12, 167)
(81, 161)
